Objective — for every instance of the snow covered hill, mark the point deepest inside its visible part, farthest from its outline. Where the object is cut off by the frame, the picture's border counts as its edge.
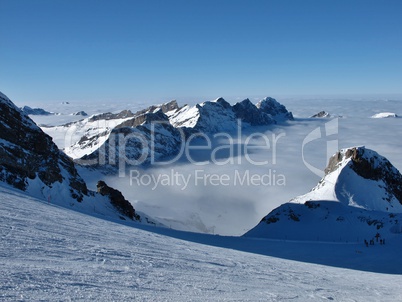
(360, 196)
(50, 253)
(31, 162)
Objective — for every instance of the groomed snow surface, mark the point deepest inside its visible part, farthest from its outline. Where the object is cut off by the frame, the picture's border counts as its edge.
(51, 253)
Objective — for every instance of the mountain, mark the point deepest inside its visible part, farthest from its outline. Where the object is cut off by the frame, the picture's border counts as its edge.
(143, 139)
(218, 115)
(35, 111)
(359, 196)
(31, 162)
(158, 132)
(275, 109)
(321, 114)
(82, 113)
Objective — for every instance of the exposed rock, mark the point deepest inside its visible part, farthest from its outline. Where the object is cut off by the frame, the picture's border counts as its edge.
(35, 111)
(117, 200)
(275, 109)
(360, 194)
(370, 165)
(26, 152)
(81, 113)
(249, 113)
(321, 114)
(111, 116)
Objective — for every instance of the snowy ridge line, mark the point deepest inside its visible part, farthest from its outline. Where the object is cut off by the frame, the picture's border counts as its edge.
(86, 136)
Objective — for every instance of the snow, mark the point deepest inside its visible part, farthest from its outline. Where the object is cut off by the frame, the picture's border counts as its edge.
(233, 210)
(384, 115)
(50, 253)
(67, 137)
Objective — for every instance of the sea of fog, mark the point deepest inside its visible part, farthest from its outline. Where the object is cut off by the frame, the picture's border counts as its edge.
(228, 190)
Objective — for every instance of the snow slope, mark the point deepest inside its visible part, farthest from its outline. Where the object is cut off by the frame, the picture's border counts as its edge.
(359, 197)
(50, 253)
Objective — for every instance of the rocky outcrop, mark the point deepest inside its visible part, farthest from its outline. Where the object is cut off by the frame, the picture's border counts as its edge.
(28, 154)
(248, 113)
(321, 114)
(81, 113)
(35, 111)
(359, 196)
(370, 165)
(111, 116)
(275, 109)
(217, 116)
(117, 200)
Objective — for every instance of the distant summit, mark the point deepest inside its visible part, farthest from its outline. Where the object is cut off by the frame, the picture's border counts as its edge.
(321, 114)
(35, 111)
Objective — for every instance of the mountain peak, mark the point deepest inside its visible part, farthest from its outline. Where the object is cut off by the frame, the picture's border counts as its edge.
(360, 194)
(274, 108)
(368, 165)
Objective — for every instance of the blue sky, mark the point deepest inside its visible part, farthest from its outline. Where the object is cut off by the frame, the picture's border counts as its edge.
(159, 50)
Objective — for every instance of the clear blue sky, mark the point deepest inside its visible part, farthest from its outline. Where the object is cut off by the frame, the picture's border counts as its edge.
(152, 50)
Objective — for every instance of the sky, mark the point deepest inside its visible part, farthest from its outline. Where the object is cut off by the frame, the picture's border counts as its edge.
(53, 50)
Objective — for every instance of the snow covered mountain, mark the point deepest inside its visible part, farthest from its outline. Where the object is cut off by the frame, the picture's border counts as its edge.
(144, 139)
(360, 196)
(275, 109)
(31, 162)
(219, 115)
(160, 131)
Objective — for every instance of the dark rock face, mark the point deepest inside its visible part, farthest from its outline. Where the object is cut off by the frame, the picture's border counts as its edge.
(117, 200)
(26, 152)
(249, 113)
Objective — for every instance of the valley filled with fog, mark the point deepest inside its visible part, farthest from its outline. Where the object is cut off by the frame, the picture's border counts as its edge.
(228, 191)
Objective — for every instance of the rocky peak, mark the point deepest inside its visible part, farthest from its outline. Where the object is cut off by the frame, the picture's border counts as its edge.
(28, 154)
(249, 113)
(321, 114)
(117, 200)
(370, 165)
(34, 111)
(148, 117)
(223, 103)
(111, 116)
(274, 108)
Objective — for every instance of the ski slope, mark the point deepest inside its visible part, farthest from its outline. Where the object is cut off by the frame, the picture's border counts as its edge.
(52, 253)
